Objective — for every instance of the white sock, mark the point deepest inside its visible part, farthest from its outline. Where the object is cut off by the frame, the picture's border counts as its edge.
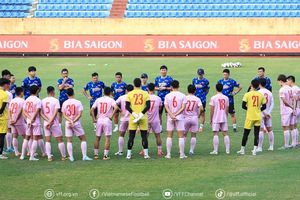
(286, 138)
(128, 152)
(121, 144)
(83, 148)
(106, 152)
(33, 148)
(254, 148)
(24, 147)
(96, 152)
(169, 145)
(216, 143)
(62, 149)
(159, 148)
(227, 143)
(42, 145)
(146, 152)
(48, 149)
(29, 144)
(15, 145)
(271, 138)
(297, 136)
(9, 138)
(70, 149)
(193, 144)
(294, 137)
(234, 125)
(260, 139)
(181, 146)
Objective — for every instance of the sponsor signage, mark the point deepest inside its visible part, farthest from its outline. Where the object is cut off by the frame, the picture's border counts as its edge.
(149, 44)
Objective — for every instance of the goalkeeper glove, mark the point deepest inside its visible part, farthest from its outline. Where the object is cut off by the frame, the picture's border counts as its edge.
(140, 116)
(135, 115)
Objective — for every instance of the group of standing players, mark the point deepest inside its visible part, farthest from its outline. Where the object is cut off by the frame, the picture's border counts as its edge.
(137, 108)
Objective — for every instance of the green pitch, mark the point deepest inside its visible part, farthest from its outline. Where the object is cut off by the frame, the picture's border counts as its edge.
(269, 175)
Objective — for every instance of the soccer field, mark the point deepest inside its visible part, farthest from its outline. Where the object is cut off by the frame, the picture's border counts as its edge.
(269, 175)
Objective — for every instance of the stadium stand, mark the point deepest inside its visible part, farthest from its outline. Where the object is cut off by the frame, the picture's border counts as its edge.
(212, 8)
(15, 8)
(73, 9)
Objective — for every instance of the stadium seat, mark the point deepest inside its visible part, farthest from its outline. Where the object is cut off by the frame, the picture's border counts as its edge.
(80, 8)
(213, 8)
(14, 8)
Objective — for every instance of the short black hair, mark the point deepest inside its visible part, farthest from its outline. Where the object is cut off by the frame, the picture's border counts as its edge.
(219, 87)
(175, 84)
(70, 92)
(64, 70)
(151, 87)
(226, 71)
(4, 81)
(95, 74)
(107, 91)
(292, 78)
(281, 77)
(164, 67)
(255, 83)
(5, 72)
(119, 74)
(191, 89)
(31, 68)
(261, 68)
(12, 75)
(34, 89)
(50, 89)
(137, 82)
(129, 87)
(262, 82)
(19, 91)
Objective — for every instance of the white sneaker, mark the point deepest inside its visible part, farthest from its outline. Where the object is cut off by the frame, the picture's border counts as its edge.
(119, 153)
(213, 153)
(2, 157)
(86, 158)
(270, 148)
(22, 157)
(168, 156)
(241, 152)
(183, 157)
(227, 152)
(116, 129)
(33, 159)
(282, 148)
(259, 149)
(253, 152)
(71, 159)
(146, 156)
(128, 157)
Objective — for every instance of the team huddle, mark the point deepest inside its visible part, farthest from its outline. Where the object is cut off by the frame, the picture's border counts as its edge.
(138, 107)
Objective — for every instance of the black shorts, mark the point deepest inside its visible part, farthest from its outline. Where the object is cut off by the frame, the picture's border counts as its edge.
(204, 106)
(231, 108)
(95, 110)
(161, 110)
(60, 103)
